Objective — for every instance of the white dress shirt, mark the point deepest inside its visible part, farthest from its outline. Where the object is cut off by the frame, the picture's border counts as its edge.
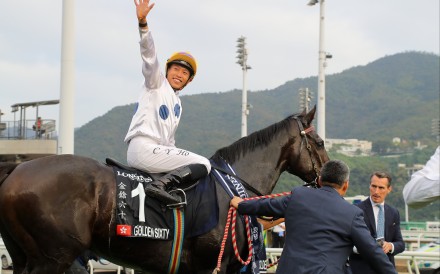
(376, 214)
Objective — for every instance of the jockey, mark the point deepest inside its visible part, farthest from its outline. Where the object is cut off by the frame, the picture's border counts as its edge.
(150, 137)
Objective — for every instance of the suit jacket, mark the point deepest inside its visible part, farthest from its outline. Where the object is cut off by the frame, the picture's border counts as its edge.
(321, 228)
(392, 235)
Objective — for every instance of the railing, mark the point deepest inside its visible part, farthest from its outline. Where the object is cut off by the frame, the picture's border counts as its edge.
(413, 225)
(97, 267)
(413, 258)
(272, 255)
(416, 238)
(25, 130)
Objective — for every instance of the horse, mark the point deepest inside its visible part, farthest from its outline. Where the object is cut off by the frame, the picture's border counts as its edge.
(56, 207)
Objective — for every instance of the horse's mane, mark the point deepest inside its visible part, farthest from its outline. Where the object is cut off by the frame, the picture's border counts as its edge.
(259, 138)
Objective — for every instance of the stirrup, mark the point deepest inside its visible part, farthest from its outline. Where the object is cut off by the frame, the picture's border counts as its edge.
(182, 195)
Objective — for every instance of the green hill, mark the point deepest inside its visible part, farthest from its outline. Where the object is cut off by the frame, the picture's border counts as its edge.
(395, 96)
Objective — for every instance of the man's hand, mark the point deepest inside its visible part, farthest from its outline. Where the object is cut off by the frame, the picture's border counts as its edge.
(387, 247)
(235, 201)
(143, 7)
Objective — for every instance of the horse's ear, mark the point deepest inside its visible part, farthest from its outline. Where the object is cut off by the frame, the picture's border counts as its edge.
(310, 116)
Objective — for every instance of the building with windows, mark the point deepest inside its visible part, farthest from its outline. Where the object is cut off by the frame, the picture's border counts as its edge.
(349, 147)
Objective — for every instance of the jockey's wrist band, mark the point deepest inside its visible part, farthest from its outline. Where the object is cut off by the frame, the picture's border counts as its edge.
(143, 25)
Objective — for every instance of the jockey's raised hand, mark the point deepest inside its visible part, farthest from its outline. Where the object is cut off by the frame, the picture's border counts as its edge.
(143, 7)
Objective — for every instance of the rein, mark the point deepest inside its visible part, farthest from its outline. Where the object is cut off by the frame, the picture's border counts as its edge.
(232, 221)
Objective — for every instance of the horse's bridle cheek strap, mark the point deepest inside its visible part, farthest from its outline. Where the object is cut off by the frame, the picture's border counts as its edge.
(303, 134)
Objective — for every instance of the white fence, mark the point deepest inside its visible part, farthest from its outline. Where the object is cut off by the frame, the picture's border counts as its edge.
(106, 266)
(415, 239)
(413, 258)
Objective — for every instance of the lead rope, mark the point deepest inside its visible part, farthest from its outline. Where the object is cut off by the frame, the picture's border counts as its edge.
(232, 214)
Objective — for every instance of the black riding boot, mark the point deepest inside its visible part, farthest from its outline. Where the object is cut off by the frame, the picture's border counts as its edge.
(186, 174)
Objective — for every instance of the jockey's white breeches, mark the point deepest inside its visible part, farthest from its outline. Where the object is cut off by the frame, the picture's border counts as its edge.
(144, 153)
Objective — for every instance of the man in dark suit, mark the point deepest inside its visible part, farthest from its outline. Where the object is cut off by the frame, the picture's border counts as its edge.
(321, 227)
(389, 236)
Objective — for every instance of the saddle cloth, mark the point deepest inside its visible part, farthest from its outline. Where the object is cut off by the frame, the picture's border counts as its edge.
(137, 215)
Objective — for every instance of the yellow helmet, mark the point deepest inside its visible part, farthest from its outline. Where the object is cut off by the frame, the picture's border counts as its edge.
(184, 59)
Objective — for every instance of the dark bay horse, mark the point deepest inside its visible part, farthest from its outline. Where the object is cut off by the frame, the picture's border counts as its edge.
(54, 208)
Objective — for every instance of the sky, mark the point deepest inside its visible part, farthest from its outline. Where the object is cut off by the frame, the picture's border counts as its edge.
(282, 39)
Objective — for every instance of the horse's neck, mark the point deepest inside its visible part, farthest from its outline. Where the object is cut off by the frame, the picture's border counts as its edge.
(260, 169)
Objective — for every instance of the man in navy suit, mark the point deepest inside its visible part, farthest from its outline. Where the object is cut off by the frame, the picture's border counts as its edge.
(390, 237)
(321, 227)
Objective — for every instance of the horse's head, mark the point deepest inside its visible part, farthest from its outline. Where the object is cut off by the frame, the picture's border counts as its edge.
(290, 145)
(305, 153)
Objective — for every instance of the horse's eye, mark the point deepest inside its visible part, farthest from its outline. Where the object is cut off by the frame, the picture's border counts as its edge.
(320, 143)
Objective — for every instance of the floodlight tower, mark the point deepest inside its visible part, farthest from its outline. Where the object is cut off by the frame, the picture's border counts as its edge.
(67, 89)
(242, 61)
(322, 64)
(305, 97)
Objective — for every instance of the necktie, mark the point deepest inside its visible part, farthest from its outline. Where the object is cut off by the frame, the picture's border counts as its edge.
(380, 223)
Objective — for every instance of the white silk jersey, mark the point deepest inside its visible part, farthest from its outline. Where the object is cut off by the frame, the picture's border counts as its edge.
(424, 186)
(158, 109)
(151, 135)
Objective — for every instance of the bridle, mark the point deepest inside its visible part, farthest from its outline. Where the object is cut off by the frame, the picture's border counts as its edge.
(303, 134)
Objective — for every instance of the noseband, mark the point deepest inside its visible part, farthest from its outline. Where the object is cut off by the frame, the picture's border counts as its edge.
(303, 134)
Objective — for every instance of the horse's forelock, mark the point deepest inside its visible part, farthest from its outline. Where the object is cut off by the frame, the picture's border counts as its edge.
(257, 139)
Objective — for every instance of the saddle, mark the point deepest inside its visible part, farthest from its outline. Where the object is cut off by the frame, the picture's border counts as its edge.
(115, 163)
(153, 219)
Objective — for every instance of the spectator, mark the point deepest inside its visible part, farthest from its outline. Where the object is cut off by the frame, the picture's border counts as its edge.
(278, 235)
(382, 220)
(37, 127)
